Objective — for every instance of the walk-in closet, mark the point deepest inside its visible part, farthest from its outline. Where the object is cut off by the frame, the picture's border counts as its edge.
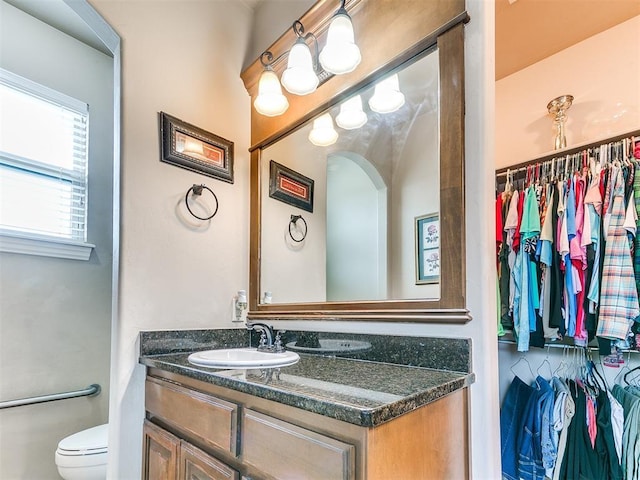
(567, 258)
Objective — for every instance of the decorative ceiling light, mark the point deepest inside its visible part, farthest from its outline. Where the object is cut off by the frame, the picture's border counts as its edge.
(351, 115)
(387, 96)
(340, 54)
(305, 71)
(323, 134)
(558, 108)
(270, 100)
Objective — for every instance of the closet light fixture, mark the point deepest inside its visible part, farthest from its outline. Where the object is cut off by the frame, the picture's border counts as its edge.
(558, 108)
(306, 69)
(323, 134)
(351, 115)
(387, 97)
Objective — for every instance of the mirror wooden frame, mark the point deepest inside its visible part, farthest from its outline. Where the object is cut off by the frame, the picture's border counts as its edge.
(388, 37)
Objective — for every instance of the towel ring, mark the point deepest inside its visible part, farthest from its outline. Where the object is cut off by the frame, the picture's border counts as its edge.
(197, 190)
(293, 221)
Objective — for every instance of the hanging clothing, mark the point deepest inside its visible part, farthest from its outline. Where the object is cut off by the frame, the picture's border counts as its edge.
(566, 411)
(568, 258)
(619, 297)
(631, 435)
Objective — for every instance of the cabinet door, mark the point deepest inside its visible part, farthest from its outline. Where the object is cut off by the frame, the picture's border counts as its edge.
(198, 465)
(160, 453)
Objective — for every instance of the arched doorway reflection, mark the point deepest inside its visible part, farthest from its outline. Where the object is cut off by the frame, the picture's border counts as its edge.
(356, 229)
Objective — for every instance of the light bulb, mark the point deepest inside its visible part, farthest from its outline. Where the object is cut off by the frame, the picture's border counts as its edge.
(340, 54)
(351, 115)
(270, 100)
(323, 134)
(299, 78)
(387, 96)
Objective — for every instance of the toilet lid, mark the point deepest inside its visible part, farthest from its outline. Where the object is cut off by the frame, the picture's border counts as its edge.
(90, 441)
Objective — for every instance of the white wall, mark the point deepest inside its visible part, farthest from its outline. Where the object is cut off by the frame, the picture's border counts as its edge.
(479, 121)
(601, 72)
(183, 58)
(415, 192)
(46, 346)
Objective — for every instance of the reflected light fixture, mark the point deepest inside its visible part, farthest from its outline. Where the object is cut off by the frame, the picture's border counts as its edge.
(323, 134)
(270, 100)
(351, 115)
(306, 70)
(340, 54)
(387, 96)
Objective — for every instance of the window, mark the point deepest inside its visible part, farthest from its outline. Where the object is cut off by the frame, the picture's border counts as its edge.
(43, 170)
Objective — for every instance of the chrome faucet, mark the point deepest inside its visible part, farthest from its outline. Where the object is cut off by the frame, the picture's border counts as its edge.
(269, 342)
(266, 335)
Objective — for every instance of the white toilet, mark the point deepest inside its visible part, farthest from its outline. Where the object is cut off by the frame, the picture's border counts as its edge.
(83, 455)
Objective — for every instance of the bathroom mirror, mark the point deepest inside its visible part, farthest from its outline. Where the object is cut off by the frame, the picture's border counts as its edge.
(411, 163)
(370, 187)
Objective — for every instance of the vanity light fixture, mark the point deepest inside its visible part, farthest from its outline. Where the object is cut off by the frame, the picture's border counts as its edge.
(323, 134)
(387, 97)
(300, 76)
(270, 100)
(305, 71)
(351, 115)
(340, 54)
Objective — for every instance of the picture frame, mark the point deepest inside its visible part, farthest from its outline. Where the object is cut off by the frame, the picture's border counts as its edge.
(427, 234)
(190, 147)
(290, 187)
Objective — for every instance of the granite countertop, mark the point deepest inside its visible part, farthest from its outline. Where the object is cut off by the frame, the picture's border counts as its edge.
(361, 392)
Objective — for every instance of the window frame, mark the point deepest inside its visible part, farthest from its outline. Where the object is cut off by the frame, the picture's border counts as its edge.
(30, 243)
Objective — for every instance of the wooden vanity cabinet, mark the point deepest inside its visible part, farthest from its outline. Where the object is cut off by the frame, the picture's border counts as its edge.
(166, 457)
(198, 431)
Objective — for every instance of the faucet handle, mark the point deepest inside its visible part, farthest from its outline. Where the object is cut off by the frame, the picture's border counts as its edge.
(277, 344)
(263, 339)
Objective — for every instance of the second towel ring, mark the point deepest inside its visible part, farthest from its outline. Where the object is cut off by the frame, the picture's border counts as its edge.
(197, 190)
(293, 221)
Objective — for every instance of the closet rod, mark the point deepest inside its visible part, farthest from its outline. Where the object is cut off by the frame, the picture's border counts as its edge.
(561, 345)
(562, 153)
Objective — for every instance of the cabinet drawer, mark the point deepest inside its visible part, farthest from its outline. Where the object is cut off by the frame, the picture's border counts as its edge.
(285, 451)
(210, 420)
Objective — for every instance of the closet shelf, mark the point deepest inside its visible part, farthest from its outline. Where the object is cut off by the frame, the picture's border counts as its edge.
(509, 341)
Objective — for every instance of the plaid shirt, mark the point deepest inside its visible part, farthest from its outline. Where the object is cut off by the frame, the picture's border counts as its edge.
(618, 296)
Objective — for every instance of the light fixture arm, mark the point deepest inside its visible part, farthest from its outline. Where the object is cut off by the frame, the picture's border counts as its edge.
(298, 29)
(267, 60)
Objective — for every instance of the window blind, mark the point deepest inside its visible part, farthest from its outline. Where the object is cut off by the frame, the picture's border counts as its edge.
(43, 160)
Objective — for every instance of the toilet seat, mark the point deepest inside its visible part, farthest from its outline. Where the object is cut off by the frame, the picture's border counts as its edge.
(83, 455)
(92, 441)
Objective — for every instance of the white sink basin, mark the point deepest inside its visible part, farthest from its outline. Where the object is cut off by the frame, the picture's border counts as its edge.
(242, 358)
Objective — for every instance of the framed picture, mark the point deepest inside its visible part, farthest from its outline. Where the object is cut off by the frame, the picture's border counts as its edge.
(427, 230)
(195, 149)
(290, 187)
